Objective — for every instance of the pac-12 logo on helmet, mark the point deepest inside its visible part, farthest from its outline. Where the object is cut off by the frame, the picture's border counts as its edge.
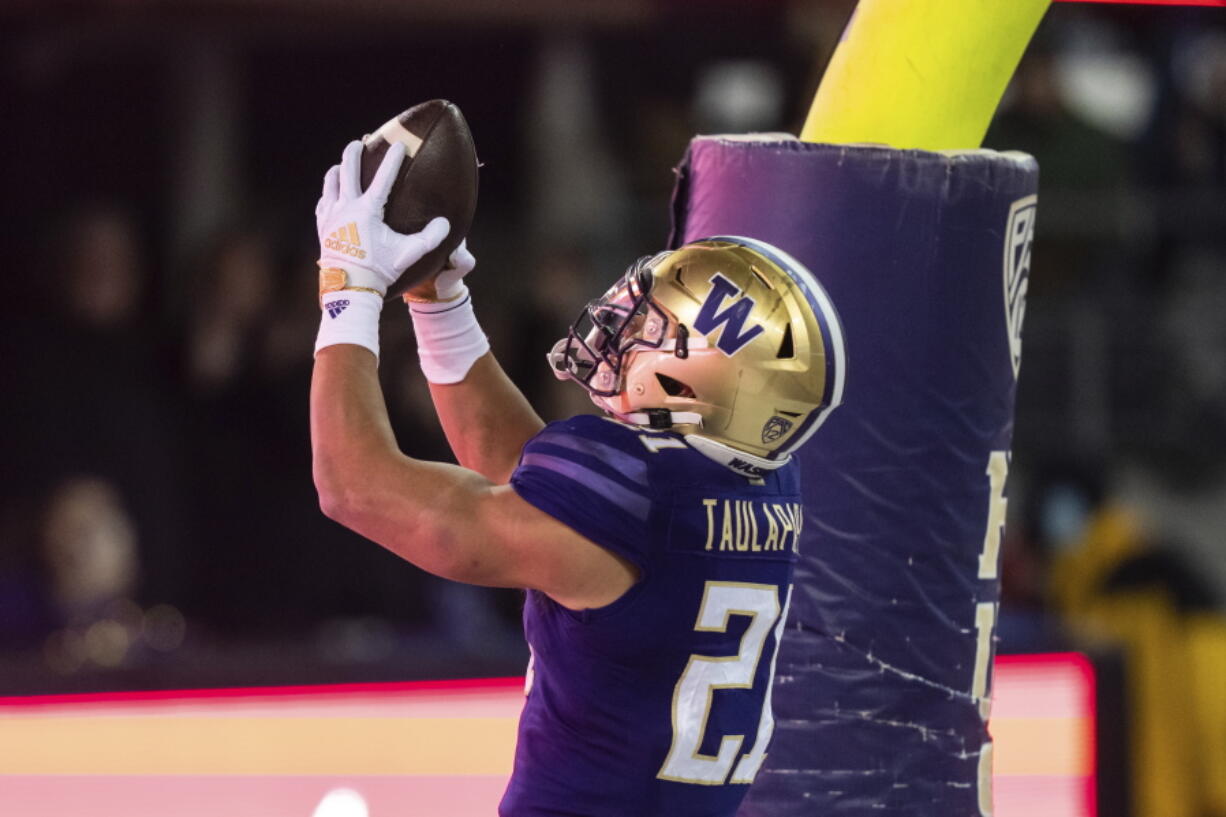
(729, 340)
(774, 429)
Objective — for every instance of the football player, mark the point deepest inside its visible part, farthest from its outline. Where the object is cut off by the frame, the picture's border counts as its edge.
(656, 543)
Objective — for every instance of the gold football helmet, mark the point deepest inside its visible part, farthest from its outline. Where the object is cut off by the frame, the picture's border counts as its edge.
(728, 340)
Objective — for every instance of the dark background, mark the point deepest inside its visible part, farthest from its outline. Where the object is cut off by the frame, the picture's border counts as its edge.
(158, 525)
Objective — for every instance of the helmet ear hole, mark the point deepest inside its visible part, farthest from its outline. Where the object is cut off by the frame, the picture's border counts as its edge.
(673, 387)
(785, 345)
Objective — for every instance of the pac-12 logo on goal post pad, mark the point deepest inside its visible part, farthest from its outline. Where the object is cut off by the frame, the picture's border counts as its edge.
(1019, 235)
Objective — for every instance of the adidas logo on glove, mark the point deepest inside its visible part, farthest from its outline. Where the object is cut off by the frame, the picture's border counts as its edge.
(336, 307)
(346, 240)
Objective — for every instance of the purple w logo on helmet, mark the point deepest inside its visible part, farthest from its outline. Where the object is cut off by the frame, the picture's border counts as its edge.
(713, 315)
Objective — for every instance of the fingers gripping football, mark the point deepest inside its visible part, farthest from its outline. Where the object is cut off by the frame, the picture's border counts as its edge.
(357, 249)
(448, 285)
(460, 263)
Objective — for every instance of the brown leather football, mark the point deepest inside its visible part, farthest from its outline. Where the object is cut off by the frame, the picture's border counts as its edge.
(438, 178)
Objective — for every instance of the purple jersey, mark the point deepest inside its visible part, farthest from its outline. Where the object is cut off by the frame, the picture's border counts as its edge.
(659, 703)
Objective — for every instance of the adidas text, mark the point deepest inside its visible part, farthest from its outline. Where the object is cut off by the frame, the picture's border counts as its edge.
(344, 247)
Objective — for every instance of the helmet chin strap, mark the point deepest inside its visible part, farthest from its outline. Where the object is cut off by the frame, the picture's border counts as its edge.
(662, 419)
(747, 465)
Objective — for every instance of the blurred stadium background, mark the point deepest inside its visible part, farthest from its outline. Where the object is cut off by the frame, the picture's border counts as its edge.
(158, 525)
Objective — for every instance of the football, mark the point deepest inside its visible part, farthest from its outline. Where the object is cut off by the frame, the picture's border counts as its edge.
(438, 178)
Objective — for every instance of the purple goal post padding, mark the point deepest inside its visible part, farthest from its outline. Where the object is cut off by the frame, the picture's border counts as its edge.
(883, 677)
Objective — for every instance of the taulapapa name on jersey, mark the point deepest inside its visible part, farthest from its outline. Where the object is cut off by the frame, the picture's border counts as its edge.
(748, 526)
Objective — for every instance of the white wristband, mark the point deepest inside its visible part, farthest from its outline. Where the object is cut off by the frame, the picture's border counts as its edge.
(349, 316)
(449, 339)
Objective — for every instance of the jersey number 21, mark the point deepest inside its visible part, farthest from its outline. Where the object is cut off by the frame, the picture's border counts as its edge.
(704, 674)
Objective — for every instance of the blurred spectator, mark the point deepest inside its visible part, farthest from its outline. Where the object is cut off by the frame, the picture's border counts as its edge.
(1115, 583)
(562, 283)
(1186, 143)
(86, 357)
(231, 288)
(89, 553)
(1076, 158)
(89, 547)
(235, 284)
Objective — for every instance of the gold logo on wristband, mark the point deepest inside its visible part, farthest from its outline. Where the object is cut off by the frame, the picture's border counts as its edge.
(331, 279)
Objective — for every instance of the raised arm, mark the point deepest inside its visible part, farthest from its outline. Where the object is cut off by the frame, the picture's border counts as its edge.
(486, 419)
(446, 519)
(443, 518)
(485, 416)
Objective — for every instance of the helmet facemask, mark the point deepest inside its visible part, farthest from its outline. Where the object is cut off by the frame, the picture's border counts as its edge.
(625, 319)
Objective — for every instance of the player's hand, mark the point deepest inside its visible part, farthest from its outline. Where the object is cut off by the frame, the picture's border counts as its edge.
(357, 250)
(448, 285)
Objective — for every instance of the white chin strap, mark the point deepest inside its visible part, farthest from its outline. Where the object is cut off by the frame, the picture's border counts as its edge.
(746, 465)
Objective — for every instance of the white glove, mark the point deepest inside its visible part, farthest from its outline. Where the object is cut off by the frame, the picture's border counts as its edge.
(448, 286)
(357, 251)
